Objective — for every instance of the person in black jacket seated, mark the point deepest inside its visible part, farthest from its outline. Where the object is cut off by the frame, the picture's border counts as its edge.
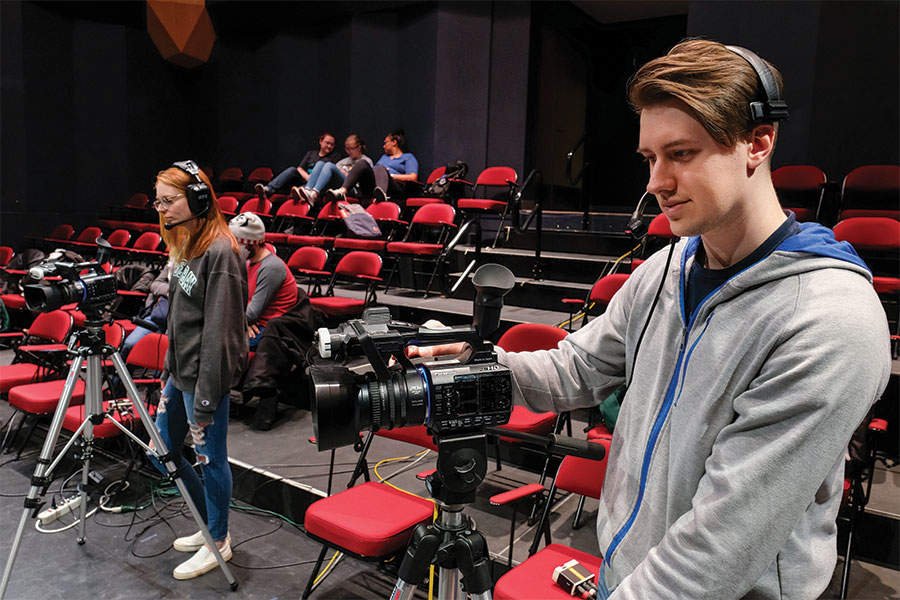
(293, 176)
(277, 369)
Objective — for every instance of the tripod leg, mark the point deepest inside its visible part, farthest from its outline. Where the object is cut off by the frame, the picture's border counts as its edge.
(448, 584)
(38, 481)
(162, 454)
(419, 555)
(474, 564)
(93, 408)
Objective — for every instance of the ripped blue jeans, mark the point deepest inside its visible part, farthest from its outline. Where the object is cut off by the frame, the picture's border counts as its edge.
(212, 494)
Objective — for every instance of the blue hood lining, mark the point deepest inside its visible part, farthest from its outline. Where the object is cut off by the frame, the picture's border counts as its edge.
(813, 239)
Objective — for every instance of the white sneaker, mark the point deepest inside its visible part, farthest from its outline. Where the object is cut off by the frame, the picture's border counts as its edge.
(201, 562)
(190, 543)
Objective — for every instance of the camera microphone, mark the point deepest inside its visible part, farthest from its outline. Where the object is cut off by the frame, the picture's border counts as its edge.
(149, 325)
(41, 271)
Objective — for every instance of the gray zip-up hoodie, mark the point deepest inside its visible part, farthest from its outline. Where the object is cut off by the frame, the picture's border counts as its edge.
(726, 467)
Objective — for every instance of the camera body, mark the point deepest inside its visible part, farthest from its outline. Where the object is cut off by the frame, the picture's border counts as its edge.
(92, 289)
(467, 397)
(450, 396)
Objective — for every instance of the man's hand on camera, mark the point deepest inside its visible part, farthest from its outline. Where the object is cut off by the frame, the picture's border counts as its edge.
(439, 349)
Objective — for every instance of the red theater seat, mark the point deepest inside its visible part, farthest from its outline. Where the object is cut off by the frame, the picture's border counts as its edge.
(531, 579)
(492, 177)
(431, 222)
(359, 267)
(601, 294)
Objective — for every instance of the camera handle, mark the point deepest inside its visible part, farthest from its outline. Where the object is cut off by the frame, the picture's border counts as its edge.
(92, 349)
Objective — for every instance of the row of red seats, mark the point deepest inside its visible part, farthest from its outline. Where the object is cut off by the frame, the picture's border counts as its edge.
(866, 191)
(33, 383)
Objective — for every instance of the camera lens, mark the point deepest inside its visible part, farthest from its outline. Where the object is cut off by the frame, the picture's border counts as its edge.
(45, 298)
(345, 403)
(335, 409)
(89, 291)
(399, 402)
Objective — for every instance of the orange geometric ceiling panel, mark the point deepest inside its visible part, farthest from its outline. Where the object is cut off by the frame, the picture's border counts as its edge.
(181, 30)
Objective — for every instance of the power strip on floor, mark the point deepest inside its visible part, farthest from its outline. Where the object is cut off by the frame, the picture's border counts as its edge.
(51, 514)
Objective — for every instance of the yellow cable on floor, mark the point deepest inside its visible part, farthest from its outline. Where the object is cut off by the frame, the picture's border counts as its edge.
(387, 460)
(324, 571)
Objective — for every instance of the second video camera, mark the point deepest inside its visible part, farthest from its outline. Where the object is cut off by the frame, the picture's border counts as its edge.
(85, 284)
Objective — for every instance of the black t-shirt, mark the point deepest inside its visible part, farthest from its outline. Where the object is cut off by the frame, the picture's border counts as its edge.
(310, 159)
(702, 281)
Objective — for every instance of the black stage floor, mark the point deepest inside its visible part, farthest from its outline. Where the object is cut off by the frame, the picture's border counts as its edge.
(129, 555)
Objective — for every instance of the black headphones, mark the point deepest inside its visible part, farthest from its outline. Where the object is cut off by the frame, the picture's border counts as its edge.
(198, 194)
(772, 108)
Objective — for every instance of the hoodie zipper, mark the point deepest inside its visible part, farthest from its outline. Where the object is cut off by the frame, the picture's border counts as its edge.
(648, 451)
(670, 399)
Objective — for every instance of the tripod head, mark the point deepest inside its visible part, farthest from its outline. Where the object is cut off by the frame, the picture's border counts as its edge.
(91, 341)
(461, 467)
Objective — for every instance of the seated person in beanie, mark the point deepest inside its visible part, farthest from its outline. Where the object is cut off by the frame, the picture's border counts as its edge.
(272, 288)
(292, 176)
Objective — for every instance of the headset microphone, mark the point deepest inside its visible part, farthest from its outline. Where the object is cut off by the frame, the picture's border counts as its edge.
(769, 106)
(171, 226)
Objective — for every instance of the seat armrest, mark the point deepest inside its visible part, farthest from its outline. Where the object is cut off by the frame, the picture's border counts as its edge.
(526, 491)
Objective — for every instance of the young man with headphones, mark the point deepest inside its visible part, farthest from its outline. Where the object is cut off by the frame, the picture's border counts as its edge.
(207, 351)
(751, 349)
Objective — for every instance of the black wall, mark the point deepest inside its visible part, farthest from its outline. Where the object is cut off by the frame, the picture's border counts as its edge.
(841, 64)
(89, 111)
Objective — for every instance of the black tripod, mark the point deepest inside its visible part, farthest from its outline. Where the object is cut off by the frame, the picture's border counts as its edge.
(92, 348)
(452, 542)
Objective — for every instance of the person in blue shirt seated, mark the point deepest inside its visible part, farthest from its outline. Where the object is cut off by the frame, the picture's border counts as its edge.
(390, 178)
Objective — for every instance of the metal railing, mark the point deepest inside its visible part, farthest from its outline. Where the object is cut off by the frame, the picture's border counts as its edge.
(535, 178)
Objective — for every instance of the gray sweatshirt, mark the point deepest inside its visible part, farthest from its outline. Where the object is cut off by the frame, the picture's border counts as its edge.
(206, 326)
(726, 466)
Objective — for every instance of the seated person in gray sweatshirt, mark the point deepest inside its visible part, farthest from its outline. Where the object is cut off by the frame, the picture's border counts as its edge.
(751, 349)
(327, 175)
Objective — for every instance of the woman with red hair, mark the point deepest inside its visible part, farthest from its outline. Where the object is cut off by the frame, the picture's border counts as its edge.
(207, 349)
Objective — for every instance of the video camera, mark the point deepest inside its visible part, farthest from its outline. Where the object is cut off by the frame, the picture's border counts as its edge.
(85, 283)
(451, 396)
(462, 394)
